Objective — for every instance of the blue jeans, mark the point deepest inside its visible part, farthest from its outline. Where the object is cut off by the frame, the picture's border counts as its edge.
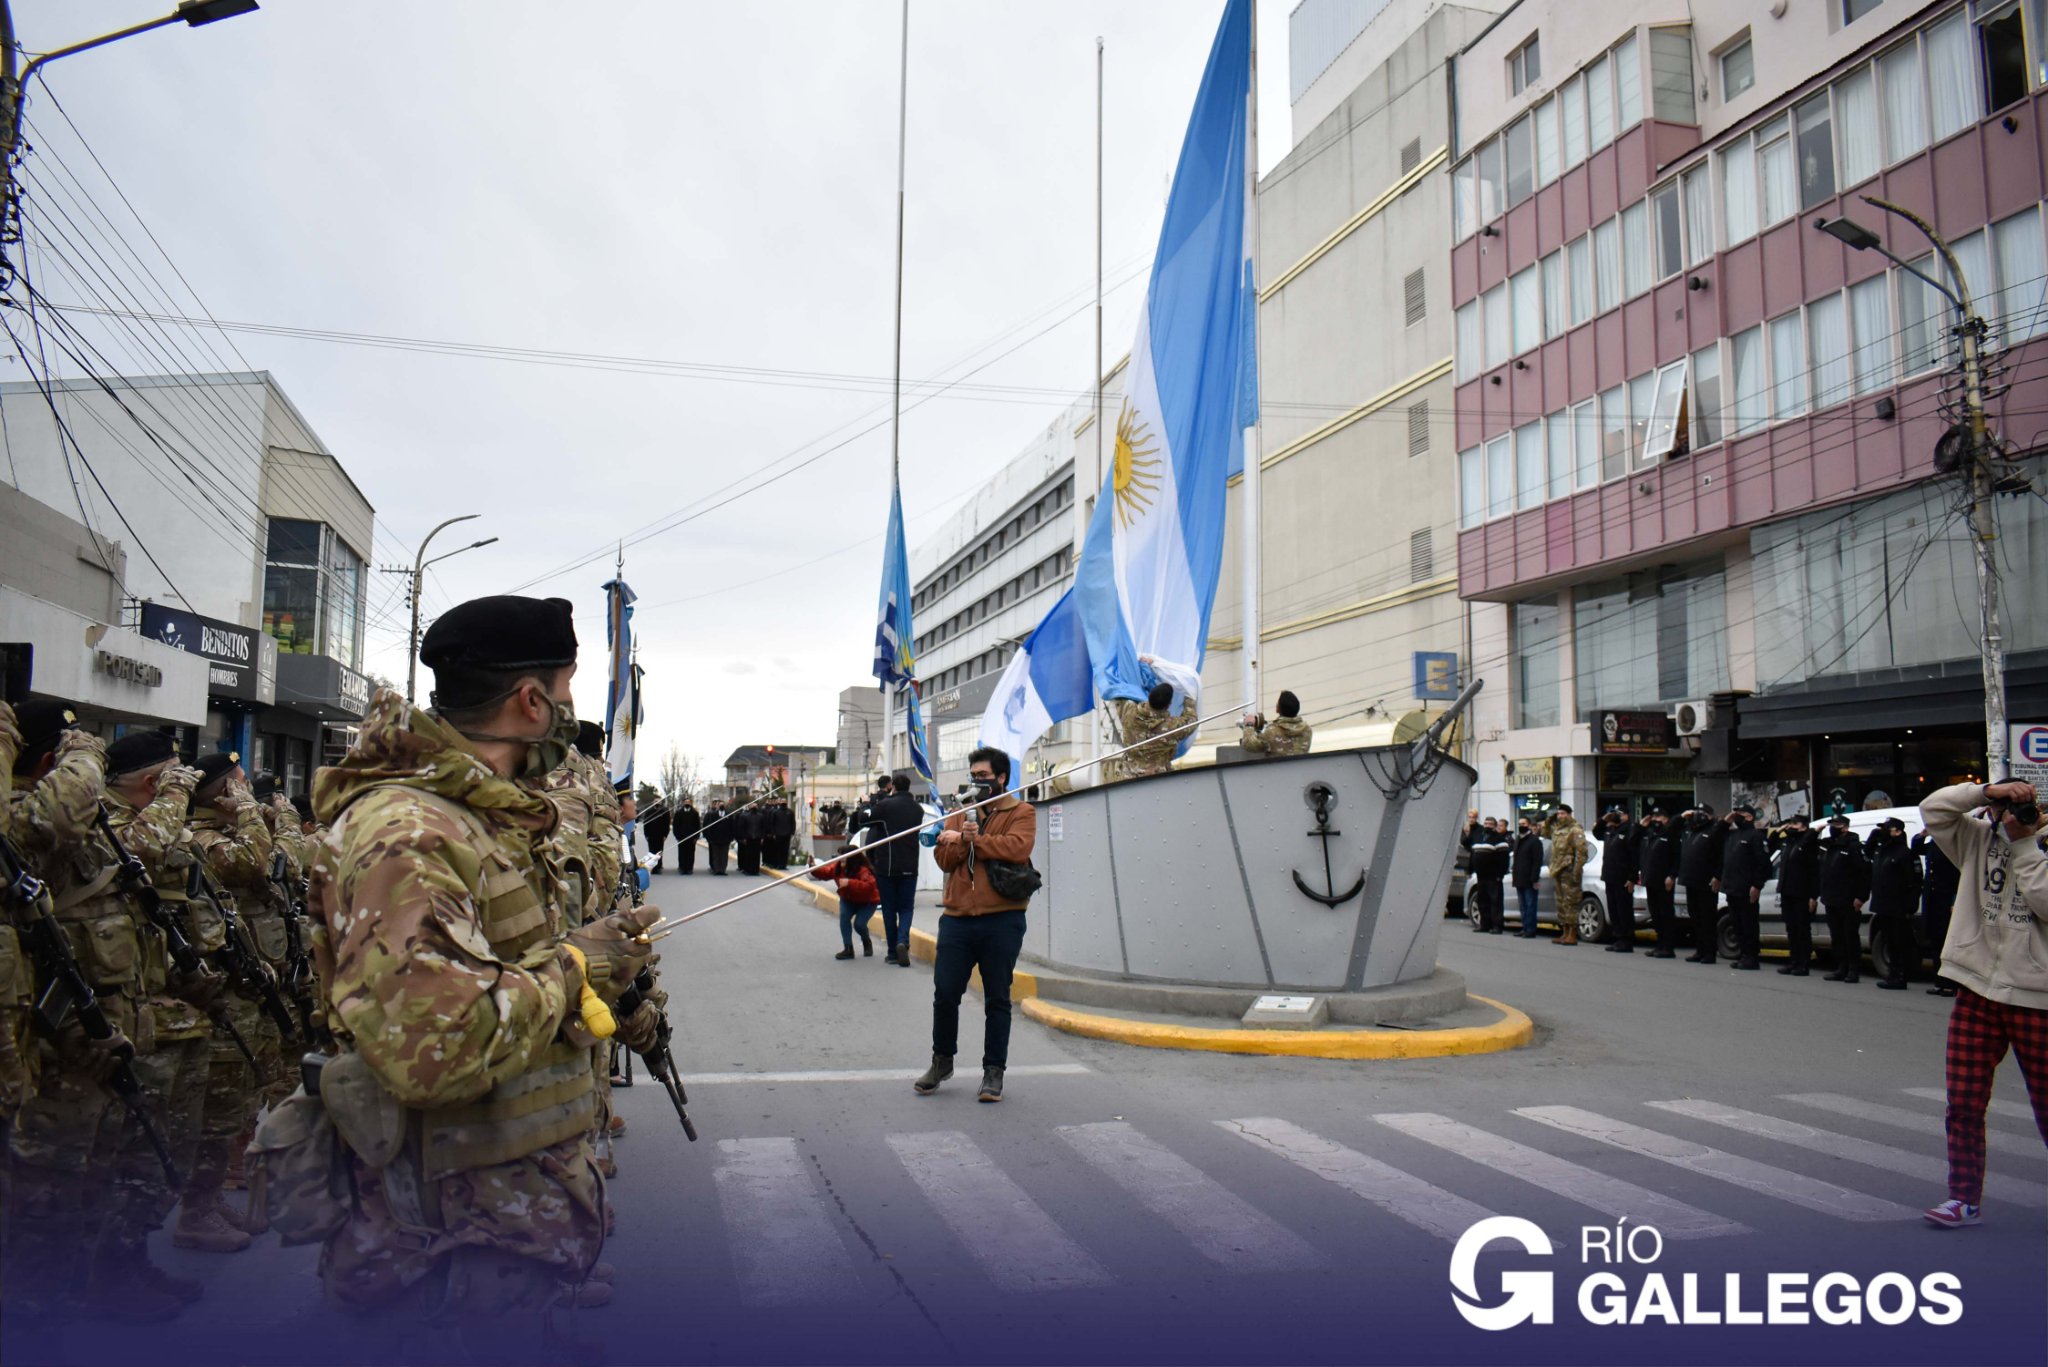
(990, 943)
(854, 916)
(899, 902)
(1526, 897)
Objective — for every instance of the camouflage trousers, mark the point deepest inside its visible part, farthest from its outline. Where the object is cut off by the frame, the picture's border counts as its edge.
(1570, 892)
(56, 1203)
(232, 1095)
(139, 1197)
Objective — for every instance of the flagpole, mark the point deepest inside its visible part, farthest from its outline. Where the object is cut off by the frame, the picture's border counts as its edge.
(1249, 504)
(1095, 716)
(896, 387)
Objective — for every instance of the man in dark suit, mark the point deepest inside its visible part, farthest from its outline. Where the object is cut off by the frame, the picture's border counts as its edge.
(1490, 857)
(656, 828)
(718, 836)
(1525, 871)
(1894, 898)
(687, 824)
(746, 822)
(1699, 873)
(1621, 863)
(1844, 884)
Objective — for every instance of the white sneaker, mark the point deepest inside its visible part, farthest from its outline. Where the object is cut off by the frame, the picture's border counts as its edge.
(1953, 1215)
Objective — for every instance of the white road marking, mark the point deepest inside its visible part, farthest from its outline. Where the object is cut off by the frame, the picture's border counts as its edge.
(1800, 1190)
(2012, 1110)
(2018, 1146)
(1427, 1207)
(785, 1246)
(1017, 1244)
(1926, 1167)
(1586, 1186)
(1223, 1227)
(874, 1074)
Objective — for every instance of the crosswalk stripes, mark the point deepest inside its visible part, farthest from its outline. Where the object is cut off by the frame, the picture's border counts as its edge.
(1426, 1206)
(2011, 1110)
(786, 1250)
(1800, 1190)
(1878, 1113)
(1222, 1226)
(1576, 1183)
(1016, 1243)
(1926, 1167)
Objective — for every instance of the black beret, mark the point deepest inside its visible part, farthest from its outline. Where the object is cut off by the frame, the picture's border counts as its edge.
(41, 721)
(215, 766)
(590, 739)
(502, 632)
(139, 750)
(265, 787)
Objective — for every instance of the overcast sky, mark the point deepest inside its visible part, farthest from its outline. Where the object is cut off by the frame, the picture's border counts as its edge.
(687, 182)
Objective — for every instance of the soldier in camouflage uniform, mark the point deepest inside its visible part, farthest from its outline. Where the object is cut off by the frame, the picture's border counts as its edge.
(1569, 854)
(58, 1204)
(455, 981)
(233, 844)
(1140, 722)
(147, 800)
(17, 979)
(1285, 734)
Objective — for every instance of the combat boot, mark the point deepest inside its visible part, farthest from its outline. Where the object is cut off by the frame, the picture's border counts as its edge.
(941, 1069)
(208, 1231)
(991, 1085)
(119, 1291)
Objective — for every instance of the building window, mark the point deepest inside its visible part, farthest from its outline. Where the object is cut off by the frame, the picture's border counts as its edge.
(1827, 338)
(1697, 185)
(1628, 83)
(1738, 191)
(1870, 322)
(1652, 637)
(1788, 366)
(1529, 465)
(1951, 76)
(1525, 66)
(1780, 172)
(291, 585)
(1858, 127)
(1579, 258)
(1585, 444)
(1418, 428)
(344, 618)
(1495, 305)
(1852, 10)
(1554, 301)
(1642, 395)
(1468, 350)
(1464, 199)
(1746, 357)
(1704, 417)
(1816, 149)
(1500, 477)
(1904, 94)
(1665, 434)
(1738, 70)
(1557, 437)
(1671, 94)
(1572, 105)
(1547, 153)
(1520, 161)
(1637, 267)
(1607, 264)
(2017, 311)
(1921, 311)
(2003, 39)
(1614, 433)
(1471, 487)
(1421, 556)
(1537, 628)
(1416, 299)
(1667, 228)
(1492, 189)
(1599, 104)
(1526, 304)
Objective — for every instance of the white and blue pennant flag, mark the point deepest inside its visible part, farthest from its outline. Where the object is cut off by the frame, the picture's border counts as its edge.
(1047, 681)
(1154, 549)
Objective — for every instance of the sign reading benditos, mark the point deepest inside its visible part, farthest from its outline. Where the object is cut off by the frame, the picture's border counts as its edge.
(242, 661)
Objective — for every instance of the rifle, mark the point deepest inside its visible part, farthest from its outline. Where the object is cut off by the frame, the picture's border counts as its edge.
(136, 882)
(298, 963)
(67, 993)
(241, 962)
(660, 1061)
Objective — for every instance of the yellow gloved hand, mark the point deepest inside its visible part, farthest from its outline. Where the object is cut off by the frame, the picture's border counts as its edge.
(596, 1017)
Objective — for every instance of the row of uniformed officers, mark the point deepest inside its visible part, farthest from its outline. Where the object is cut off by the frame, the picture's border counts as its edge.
(458, 871)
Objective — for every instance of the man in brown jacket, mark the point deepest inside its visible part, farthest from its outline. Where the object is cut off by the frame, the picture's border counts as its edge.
(981, 928)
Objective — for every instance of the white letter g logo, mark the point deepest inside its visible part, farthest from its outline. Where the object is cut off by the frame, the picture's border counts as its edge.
(1528, 1293)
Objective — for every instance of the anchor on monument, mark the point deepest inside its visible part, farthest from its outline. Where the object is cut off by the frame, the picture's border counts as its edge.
(1322, 800)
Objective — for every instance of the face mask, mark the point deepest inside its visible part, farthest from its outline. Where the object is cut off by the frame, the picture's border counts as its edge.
(544, 754)
(984, 788)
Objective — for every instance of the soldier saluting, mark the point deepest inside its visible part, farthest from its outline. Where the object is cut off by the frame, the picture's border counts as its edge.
(455, 985)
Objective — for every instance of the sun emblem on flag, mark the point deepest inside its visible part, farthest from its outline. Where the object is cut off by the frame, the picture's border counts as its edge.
(1136, 472)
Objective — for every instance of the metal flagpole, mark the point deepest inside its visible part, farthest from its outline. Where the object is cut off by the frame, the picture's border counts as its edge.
(1095, 716)
(1249, 504)
(896, 392)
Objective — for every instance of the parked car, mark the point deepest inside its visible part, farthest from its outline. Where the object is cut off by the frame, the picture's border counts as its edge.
(1592, 910)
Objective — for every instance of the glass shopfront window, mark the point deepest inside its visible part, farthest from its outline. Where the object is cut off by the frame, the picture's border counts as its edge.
(1537, 687)
(291, 585)
(1651, 637)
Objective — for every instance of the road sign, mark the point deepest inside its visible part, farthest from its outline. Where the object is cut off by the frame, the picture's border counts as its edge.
(2029, 747)
(1436, 675)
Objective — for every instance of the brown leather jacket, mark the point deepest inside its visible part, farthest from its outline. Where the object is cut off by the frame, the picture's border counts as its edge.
(1007, 833)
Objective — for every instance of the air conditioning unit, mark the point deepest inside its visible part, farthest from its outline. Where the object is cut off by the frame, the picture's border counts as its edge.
(1691, 718)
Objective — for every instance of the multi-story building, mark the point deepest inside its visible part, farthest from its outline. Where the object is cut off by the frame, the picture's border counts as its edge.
(1698, 437)
(247, 544)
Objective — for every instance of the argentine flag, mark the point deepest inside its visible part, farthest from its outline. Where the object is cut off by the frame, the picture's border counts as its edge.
(1154, 549)
(895, 662)
(1047, 681)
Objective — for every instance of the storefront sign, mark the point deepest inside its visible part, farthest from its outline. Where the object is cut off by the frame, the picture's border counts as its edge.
(1436, 675)
(323, 687)
(945, 702)
(128, 669)
(354, 691)
(2028, 752)
(242, 661)
(1531, 775)
(1673, 775)
(1633, 733)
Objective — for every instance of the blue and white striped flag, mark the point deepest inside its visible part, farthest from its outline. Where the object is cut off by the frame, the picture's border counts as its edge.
(895, 662)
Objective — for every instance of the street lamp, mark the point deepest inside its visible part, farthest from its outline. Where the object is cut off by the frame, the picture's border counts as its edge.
(1971, 330)
(419, 567)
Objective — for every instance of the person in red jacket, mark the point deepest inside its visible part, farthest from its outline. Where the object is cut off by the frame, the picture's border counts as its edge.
(859, 895)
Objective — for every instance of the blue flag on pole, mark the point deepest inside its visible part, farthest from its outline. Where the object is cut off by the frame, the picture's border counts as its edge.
(1047, 681)
(621, 700)
(1154, 549)
(895, 663)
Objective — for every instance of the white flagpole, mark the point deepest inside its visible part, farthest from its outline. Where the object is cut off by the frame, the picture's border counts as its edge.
(1249, 503)
(1095, 717)
(896, 401)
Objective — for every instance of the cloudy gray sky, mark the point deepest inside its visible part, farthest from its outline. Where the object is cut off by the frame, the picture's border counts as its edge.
(683, 182)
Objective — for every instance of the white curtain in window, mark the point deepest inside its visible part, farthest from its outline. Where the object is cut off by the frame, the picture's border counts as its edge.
(1526, 300)
(1572, 103)
(1699, 216)
(1780, 174)
(1580, 256)
(1500, 477)
(1951, 75)
(1471, 487)
(1788, 367)
(1827, 337)
(1607, 264)
(1637, 266)
(2022, 305)
(1905, 102)
(1495, 304)
(1705, 409)
(1554, 303)
(1547, 167)
(1642, 397)
(1973, 254)
(1529, 465)
(1738, 191)
(1464, 199)
(1870, 323)
(1558, 438)
(1856, 128)
(1923, 336)
(1628, 83)
(1747, 411)
(1599, 104)
(1586, 444)
(1470, 351)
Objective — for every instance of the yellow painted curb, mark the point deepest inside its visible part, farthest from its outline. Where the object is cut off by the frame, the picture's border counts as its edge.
(923, 944)
(1513, 1030)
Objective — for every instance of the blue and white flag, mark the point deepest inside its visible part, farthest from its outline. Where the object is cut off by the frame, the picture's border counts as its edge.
(1048, 680)
(1154, 549)
(621, 703)
(895, 662)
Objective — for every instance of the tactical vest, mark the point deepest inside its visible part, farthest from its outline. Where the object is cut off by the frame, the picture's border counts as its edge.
(553, 1101)
(172, 1017)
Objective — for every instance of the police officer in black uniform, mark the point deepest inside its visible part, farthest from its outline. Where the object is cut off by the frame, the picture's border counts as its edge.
(1798, 889)
(1699, 873)
(1660, 857)
(1745, 868)
(1621, 844)
(1844, 884)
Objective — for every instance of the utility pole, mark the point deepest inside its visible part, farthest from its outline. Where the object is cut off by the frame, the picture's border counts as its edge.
(413, 586)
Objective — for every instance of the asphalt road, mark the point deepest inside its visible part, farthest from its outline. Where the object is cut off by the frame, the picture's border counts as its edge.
(1142, 1206)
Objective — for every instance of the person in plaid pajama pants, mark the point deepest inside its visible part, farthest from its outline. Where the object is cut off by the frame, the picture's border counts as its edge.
(1997, 954)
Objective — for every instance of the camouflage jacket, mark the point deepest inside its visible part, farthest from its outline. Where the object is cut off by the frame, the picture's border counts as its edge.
(1280, 736)
(1568, 848)
(236, 851)
(10, 751)
(157, 837)
(568, 851)
(1138, 724)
